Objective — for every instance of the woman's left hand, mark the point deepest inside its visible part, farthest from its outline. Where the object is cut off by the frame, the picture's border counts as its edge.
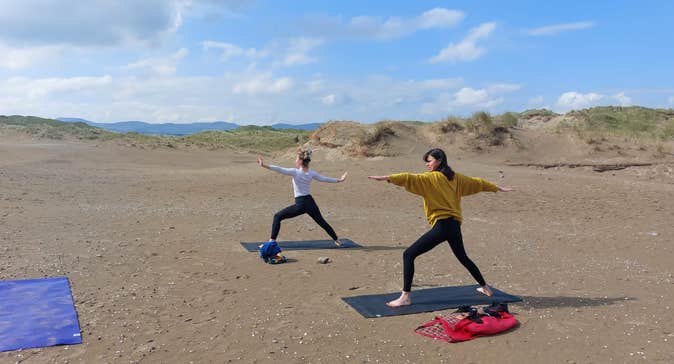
(378, 178)
(505, 189)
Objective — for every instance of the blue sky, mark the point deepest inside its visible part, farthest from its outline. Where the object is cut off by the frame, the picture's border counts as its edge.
(263, 62)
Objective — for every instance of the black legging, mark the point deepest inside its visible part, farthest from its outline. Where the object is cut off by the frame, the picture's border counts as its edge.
(303, 205)
(444, 230)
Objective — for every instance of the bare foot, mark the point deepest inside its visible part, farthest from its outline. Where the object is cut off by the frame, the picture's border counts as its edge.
(403, 300)
(485, 290)
(338, 243)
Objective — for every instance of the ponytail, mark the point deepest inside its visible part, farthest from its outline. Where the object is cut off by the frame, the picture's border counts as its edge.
(305, 156)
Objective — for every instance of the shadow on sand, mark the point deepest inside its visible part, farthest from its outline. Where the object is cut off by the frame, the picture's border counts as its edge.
(562, 301)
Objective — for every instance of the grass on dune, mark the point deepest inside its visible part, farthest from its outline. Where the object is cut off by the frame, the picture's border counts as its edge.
(252, 138)
(634, 121)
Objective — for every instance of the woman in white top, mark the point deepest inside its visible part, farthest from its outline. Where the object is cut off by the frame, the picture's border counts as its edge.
(304, 203)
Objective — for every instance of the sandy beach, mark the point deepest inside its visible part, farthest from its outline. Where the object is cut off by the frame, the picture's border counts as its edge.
(150, 241)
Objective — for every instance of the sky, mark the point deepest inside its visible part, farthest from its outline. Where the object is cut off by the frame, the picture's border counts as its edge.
(265, 62)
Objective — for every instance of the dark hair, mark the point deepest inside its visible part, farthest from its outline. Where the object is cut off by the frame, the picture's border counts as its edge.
(440, 156)
(305, 156)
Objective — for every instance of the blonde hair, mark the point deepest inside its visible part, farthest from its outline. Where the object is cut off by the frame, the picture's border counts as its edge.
(305, 156)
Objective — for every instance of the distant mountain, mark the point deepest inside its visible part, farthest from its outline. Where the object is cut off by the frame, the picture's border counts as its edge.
(311, 126)
(75, 120)
(176, 129)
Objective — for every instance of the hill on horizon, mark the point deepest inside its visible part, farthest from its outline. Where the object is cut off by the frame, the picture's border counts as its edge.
(176, 129)
(606, 133)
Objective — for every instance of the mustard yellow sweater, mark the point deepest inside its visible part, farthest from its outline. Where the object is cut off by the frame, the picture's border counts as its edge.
(442, 198)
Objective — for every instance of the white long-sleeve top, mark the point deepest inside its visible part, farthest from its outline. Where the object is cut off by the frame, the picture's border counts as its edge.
(302, 179)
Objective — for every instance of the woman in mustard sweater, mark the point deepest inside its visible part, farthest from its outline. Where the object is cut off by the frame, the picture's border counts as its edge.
(442, 190)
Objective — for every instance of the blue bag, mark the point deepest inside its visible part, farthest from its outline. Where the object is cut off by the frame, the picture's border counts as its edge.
(271, 253)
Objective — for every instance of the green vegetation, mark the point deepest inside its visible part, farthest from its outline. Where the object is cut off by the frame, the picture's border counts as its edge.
(508, 120)
(451, 124)
(52, 129)
(253, 138)
(634, 121)
(537, 113)
(379, 133)
(591, 124)
(493, 130)
(480, 123)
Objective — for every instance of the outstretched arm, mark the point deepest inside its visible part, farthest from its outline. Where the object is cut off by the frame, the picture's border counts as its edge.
(505, 189)
(416, 183)
(286, 171)
(260, 162)
(319, 177)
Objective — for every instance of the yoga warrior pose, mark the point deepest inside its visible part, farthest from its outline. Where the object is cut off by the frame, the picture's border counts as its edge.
(304, 203)
(442, 190)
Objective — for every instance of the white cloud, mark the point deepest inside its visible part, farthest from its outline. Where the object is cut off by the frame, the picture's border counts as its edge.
(89, 23)
(250, 96)
(315, 85)
(482, 31)
(441, 104)
(466, 50)
(465, 99)
(53, 86)
(622, 99)
(671, 100)
(290, 52)
(469, 96)
(503, 87)
(558, 28)
(439, 18)
(102, 23)
(573, 100)
(370, 26)
(161, 66)
(214, 9)
(329, 99)
(230, 50)
(298, 51)
(338, 98)
(441, 83)
(380, 28)
(263, 83)
(18, 58)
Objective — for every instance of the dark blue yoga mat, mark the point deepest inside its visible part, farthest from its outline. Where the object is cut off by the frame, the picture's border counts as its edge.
(36, 313)
(304, 245)
(426, 300)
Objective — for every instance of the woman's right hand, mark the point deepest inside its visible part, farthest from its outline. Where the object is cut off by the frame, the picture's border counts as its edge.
(378, 178)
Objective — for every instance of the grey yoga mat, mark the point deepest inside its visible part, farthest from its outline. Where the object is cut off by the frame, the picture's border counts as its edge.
(426, 300)
(304, 245)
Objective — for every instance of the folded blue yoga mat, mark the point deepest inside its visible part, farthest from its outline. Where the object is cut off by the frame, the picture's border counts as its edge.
(304, 245)
(36, 313)
(426, 300)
